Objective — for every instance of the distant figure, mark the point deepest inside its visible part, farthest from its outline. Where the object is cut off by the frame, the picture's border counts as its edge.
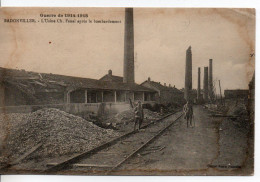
(139, 115)
(188, 113)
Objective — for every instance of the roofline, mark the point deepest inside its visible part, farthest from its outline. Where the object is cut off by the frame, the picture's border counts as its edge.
(114, 89)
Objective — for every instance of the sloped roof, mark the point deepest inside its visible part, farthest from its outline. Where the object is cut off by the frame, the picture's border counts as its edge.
(161, 87)
(113, 78)
(44, 81)
(78, 82)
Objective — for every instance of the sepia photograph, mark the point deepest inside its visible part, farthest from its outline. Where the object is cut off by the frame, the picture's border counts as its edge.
(127, 91)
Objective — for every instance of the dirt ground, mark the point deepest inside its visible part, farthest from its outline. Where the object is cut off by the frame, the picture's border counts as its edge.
(213, 147)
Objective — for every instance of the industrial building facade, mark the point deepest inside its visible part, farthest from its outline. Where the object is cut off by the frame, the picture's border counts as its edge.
(239, 93)
(28, 88)
(164, 94)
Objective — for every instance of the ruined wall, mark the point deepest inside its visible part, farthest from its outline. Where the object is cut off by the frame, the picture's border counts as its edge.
(50, 97)
(13, 97)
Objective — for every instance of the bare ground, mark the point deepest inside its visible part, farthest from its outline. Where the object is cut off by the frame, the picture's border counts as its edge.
(213, 147)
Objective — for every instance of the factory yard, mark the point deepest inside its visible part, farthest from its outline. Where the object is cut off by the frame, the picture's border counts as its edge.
(52, 135)
(214, 146)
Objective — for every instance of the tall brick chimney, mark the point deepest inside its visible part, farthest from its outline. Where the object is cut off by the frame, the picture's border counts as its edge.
(110, 72)
(129, 70)
(198, 90)
(188, 75)
(210, 80)
(205, 85)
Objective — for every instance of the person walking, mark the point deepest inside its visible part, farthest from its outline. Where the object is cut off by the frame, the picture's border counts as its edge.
(188, 113)
(139, 115)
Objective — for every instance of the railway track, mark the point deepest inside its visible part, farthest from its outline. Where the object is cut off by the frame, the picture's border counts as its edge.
(108, 157)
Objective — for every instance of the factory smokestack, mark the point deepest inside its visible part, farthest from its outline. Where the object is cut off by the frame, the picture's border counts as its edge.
(205, 85)
(188, 75)
(198, 90)
(129, 75)
(210, 80)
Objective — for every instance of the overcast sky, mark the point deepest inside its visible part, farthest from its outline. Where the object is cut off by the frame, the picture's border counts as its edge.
(161, 39)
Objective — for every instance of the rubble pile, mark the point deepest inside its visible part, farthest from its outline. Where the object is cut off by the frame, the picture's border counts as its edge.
(128, 116)
(151, 115)
(238, 110)
(8, 122)
(122, 117)
(60, 133)
(232, 108)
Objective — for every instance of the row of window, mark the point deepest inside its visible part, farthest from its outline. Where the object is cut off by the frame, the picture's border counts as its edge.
(82, 96)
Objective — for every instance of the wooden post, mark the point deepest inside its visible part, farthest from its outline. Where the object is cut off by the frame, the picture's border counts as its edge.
(102, 96)
(143, 96)
(96, 97)
(86, 96)
(125, 96)
(67, 97)
(115, 97)
(220, 93)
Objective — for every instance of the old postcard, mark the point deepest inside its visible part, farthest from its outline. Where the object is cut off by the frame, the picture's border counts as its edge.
(127, 91)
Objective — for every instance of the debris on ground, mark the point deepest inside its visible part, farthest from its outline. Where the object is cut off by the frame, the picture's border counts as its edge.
(9, 122)
(127, 116)
(59, 132)
(233, 143)
(232, 109)
(233, 136)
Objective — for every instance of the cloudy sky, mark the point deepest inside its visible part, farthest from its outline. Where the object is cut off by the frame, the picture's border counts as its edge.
(161, 39)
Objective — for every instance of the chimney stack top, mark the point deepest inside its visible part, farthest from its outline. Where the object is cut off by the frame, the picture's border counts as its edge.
(110, 72)
(149, 79)
(164, 84)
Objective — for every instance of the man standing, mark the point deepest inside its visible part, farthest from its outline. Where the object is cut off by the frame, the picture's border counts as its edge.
(188, 113)
(139, 115)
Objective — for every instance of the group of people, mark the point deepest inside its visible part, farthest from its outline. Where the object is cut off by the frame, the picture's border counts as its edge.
(139, 114)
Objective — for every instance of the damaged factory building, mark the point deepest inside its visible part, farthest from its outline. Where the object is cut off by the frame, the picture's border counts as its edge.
(31, 91)
(74, 94)
(23, 91)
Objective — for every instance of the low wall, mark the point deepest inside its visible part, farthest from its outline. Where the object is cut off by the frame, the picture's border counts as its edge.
(100, 109)
(77, 108)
